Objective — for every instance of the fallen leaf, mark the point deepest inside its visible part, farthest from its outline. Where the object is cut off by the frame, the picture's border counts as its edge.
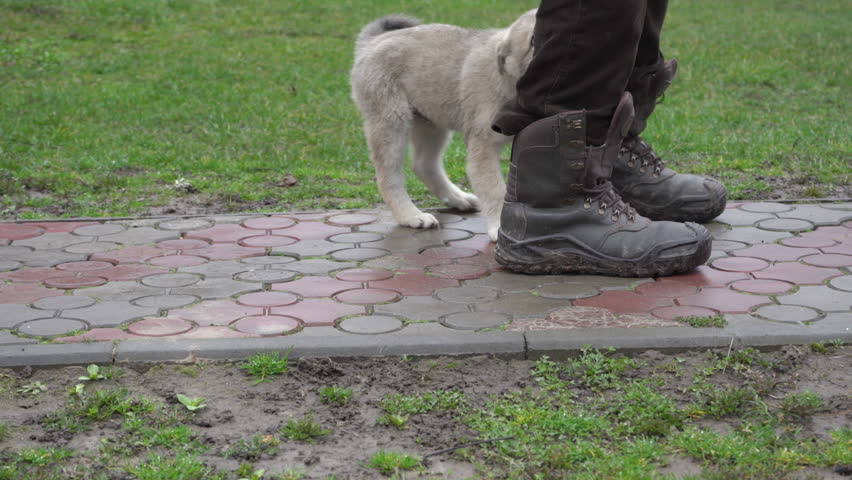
(289, 180)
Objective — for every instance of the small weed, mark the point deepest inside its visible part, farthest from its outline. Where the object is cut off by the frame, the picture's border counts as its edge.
(717, 402)
(77, 390)
(598, 371)
(263, 366)
(391, 462)
(289, 475)
(825, 348)
(801, 404)
(397, 404)
(335, 395)
(192, 403)
(183, 466)
(393, 420)
(255, 449)
(640, 410)
(4, 431)
(93, 373)
(43, 456)
(32, 389)
(190, 370)
(717, 321)
(306, 429)
(247, 472)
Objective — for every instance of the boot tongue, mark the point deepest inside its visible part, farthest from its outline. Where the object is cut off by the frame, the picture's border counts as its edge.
(601, 159)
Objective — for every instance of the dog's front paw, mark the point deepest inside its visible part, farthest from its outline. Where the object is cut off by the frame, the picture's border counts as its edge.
(493, 231)
(422, 220)
(463, 202)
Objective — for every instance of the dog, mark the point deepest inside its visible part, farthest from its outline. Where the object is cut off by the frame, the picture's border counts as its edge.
(417, 83)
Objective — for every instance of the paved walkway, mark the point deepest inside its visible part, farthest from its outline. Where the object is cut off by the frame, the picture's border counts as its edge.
(354, 283)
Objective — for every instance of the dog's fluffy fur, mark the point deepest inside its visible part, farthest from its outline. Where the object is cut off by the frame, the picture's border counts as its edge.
(418, 83)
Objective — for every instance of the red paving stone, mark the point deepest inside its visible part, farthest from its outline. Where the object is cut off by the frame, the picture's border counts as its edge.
(704, 276)
(159, 327)
(480, 243)
(666, 289)
(808, 242)
(739, 264)
(775, 253)
(268, 241)
(177, 261)
(842, 249)
(84, 266)
(128, 272)
(449, 253)
(35, 275)
(352, 220)
(724, 300)
(225, 233)
(216, 312)
(367, 296)
(459, 271)
(70, 283)
(418, 261)
(269, 223)
(313, 286)
(311, 231)
(364, 274)
(267, 299)
(132, 255)
(798, 273)
(319, 312)
(100, 335)
(267, 325)
(677, 311)
(829, 260)
(763, 287)
(13, 231)
(414, 282)
(61, 227)
(25, 293)
(182, 244)
(623, 302)
(228, 252)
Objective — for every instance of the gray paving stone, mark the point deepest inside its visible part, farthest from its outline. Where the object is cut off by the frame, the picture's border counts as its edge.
(447, 218)
(356, 237)
(467, 295)
(222, 268)
(818, 215)
(766, 207)
(371, 324)
(51, 327)
(140, 236)
(716, 228)
(212, 288)
(266, 276)
(358, 254)
(119, 291)
(9, 265)
(56, 355)
(842, 283)
(476, 320)
(477, 224)
(93, 247)
(309, 248)
(13, 314)
(65, 302)
(6, 338)
(567, 291)
(50, 258)
(752, 235)
(785, 225)
(52, 241)
(728, 246)
(99, 230)
(409, 244)
(139, 222)
(522, 305)
(788, 313)
(317, 266)
(820, 297)
(420, 308)
(111, 314)
(165, 301)
(837, 206)
(740, 218)
(512, 282)
(171, 280)
(9, 254)
(270, 260)
(389, 230)
(439, 236)
(185, 224)
(391, 262)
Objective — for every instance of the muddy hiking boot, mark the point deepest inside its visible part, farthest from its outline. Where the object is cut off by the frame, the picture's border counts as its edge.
(641, 176)
(562, 215)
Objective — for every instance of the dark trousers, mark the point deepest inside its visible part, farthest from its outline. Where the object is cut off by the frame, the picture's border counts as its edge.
(585, 54)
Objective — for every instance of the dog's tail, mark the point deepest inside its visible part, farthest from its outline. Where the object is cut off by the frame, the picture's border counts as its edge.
(383, 25)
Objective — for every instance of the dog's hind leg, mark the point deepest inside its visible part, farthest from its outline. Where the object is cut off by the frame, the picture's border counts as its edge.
(387, 141)
(486, 178)
(429, 142)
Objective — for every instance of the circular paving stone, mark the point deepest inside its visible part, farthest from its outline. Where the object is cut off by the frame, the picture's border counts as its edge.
(268, 260)
(9, 265)
(666, 289)
(467, 295)
(763, 287)
(371, 324)
(766, 207)
(808, 242)
(14, 231)
(267, 241)
(476, 320)
(268, 223)
(99, 230)
(358, 254)
(449, 253)
(182, 244)
(65, 302)
(351, 220)
(739, 264)
(266, 276)
(171, 280)
(84, 266)
(447, 218)
(785, 225)
(357, 237)
(51, 327)
(458, 271)
(70, 283)
(829, 260)
(367, 296)
(185, 224)
(165, 301)
(364, 275)
(671, 313)
(267, 299)
(728, 245)
(90, 248)
(842, 283)
(788, 313)
(177, 261)
(267, 325)
(159, 327)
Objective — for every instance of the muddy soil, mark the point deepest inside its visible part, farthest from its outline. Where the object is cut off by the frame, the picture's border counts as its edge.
(238, 411)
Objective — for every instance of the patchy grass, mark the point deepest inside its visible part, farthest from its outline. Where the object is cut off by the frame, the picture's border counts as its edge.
(335, 395)
(716, 321)
(122, 107)
(391, 462)
(266, 365)
(305, 429)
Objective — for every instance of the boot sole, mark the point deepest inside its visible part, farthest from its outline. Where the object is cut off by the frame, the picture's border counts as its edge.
(524, 260)
(673, 214)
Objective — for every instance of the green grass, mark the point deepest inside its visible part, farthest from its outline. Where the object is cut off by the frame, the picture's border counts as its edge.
(264, 366)
(716, 321)
(335, 395)
(391, 462)
(106, 104)
(305, 429)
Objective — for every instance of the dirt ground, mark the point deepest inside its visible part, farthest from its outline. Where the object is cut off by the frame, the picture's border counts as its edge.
(236, 410)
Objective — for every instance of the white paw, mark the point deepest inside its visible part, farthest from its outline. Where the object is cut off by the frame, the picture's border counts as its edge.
(464, 202)
(492, 232)
(422, 220)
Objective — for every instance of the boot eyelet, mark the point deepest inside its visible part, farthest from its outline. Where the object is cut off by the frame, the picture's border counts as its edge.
(601, 212)
(631, 163)
(588, 204)
(643, 170)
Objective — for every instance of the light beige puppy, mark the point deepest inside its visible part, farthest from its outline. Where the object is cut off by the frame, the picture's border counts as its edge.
(418, 83)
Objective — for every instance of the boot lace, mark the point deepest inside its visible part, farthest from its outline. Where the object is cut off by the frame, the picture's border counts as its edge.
(642, 152)
(606, 197)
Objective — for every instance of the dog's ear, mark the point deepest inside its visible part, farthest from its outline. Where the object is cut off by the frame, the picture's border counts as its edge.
(504, 49)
